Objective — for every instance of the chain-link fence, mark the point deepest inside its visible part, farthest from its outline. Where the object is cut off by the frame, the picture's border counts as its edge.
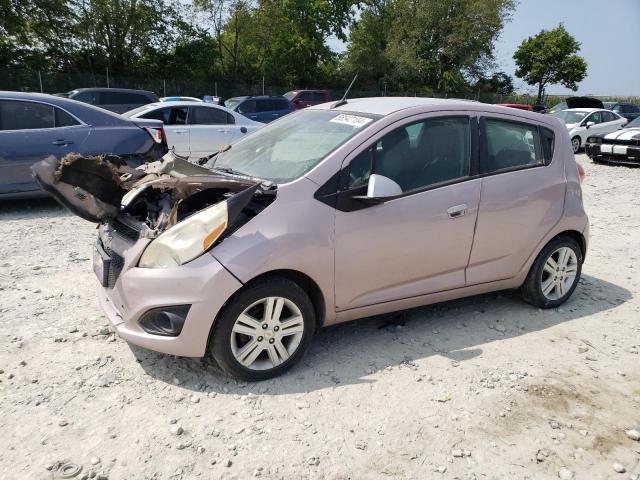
(56, 82)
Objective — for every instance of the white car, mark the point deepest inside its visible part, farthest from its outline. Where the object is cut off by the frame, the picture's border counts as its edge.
(584, 122)
(197, 129)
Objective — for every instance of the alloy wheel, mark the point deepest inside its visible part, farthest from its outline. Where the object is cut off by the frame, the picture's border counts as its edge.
(267, 333)
(559, 273)
(575, 143)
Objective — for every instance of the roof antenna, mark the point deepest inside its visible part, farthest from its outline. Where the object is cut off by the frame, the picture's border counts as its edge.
(343, 100)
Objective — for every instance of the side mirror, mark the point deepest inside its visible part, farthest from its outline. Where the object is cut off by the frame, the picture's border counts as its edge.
(590, 124)
(380, 189)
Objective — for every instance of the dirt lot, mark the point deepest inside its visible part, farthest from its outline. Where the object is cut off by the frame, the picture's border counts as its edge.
(483, 388)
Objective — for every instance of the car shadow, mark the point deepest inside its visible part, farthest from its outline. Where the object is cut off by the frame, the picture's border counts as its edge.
(351, 353)
(32, 208)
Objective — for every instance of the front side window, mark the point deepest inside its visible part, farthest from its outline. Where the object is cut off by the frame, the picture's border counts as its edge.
(208, 116)
(287, 149)
(169, 116)
(595, 117)
(417, 156)
(18, 115)
(511, 145)
(87, 97)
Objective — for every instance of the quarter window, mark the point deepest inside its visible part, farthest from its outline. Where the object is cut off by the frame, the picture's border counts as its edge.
(416, 156)
(63, 119)
(511, 145)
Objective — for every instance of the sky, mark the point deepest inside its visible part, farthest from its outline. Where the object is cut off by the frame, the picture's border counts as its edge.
(609, 31)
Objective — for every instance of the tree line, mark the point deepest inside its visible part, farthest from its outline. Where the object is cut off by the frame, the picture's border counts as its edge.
(423, 46)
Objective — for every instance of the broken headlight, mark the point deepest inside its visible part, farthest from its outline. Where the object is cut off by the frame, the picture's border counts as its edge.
(188, 239)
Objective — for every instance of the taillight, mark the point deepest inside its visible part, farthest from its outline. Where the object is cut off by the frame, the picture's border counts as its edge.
(581, 173)
(157, 134)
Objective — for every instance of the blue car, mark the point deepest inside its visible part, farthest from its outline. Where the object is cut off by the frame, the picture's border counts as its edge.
(262, 108)
(34, 126)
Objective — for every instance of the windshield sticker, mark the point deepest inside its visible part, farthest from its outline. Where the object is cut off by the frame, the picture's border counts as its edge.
(352, 120)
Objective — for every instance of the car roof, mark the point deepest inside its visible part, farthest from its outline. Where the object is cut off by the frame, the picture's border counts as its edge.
(105, 89)
(388, 105)
(583, 110)
(184, 103)
(256, 97)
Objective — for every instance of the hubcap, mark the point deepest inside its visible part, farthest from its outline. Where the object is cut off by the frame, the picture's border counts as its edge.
(559, 273)
(267, 333)
(576, 144)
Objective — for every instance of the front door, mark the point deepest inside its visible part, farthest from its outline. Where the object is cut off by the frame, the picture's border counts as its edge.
(418, 243)
(209, 130)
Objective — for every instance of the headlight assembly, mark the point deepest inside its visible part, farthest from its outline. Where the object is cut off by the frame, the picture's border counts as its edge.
(188, 239)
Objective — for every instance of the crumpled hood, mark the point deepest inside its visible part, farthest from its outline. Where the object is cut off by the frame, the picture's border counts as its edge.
(160, 194)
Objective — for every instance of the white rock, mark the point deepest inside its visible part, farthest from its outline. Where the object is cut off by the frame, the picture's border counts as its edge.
(633, 434)
(176, 430)
(565, 474)
(619, 468)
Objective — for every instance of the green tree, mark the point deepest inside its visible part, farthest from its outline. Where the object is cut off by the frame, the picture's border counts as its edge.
(498, 82)
(550, 58)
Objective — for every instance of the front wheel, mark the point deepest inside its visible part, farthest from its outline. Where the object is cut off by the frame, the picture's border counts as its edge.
(555, 273)
(575, 144)
(264, 330)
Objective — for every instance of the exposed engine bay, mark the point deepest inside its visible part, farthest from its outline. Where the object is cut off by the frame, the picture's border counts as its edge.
(152, 197)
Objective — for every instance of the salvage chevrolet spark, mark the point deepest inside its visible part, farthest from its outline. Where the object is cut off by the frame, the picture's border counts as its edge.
(336, 212)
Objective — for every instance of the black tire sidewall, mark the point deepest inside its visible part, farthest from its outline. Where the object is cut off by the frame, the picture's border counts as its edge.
(533, 284)
(220, 344)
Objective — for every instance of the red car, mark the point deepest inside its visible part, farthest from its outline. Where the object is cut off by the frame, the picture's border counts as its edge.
(305, 98)
(521, 106)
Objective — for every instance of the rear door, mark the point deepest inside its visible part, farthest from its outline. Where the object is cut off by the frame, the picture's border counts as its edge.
(175, 127)
(522, 197)
(210, 129)
(30, 132)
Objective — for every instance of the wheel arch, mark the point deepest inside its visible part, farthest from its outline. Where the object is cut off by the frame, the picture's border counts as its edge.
(575, 235)
(305, 282)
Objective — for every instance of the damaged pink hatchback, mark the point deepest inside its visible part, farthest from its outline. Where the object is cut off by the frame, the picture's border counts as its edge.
(333, 213)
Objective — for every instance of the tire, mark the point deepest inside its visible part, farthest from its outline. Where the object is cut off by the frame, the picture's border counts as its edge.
(575, 144)
(541, 277)
(258, 338)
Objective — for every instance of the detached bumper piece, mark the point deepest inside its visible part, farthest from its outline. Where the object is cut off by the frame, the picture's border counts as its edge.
(619, 154)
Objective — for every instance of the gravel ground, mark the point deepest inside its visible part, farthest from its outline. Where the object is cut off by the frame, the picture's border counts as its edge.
(483, 388)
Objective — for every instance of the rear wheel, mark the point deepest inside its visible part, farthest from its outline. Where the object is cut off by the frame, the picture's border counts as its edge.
(264, 330)
(555, 273)
(575, 144)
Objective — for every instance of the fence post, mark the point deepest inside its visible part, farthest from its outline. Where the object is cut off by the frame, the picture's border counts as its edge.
(107, 77)
(215, 88)
(40, 81)
(164, 87)
(263, 85)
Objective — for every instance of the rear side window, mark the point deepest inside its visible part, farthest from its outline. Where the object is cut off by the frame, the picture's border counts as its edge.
(122, 98)
(208, 116)
(247, 107)
(511, 145)
(609, 117)
(63, 119)
(319, 96)
(17, 115)
(280, 104)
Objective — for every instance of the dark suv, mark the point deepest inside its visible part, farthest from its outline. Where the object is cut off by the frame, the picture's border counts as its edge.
(261, 109)
(626, 110)
(118, 100)
(306, 98)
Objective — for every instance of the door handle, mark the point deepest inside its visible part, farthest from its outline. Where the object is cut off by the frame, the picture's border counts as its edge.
(223, 130)
(62, 142)
(180, 131)
(275, 114)
(457, 210)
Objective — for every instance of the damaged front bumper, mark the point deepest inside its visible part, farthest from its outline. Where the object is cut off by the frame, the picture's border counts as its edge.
(203, 285)
(170, 309)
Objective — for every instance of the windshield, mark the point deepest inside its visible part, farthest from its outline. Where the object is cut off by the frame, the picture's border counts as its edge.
(570, 117)
(289, 95)
(288, 148)
(634, 124)
(232, 103)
